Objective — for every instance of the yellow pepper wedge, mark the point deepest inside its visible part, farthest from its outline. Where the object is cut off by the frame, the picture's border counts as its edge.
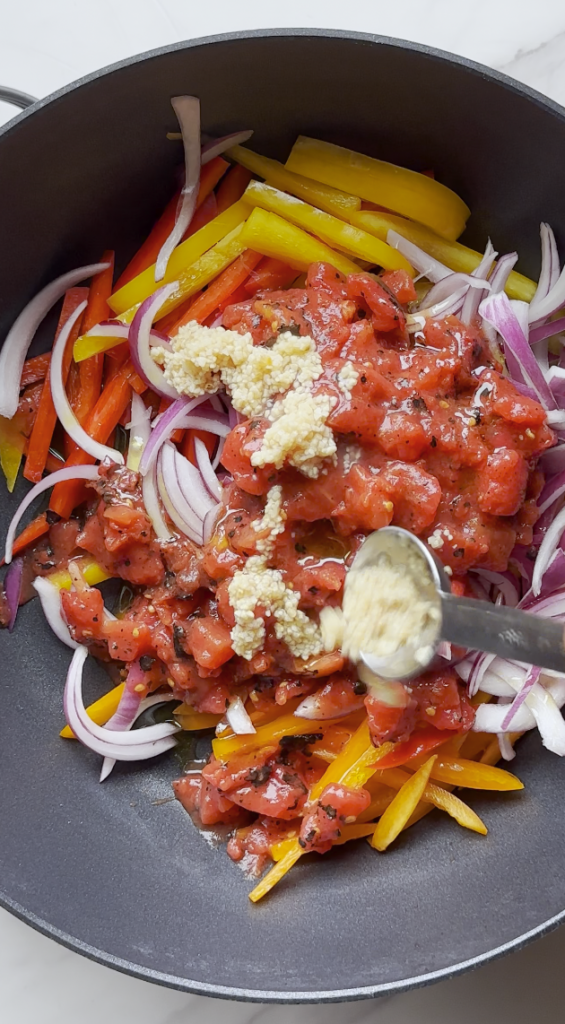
(273, 236)
(441, 798)
(402, 807)
(345, 237)
(200, 273)
(85, 347)
(456, 256)
(267, 735)
(474, 775)
(92, 572)
(182, 257)
(191, 720)
(348, 832)
(332, 200)
(101, 711)
(406, 192)
(10, 460)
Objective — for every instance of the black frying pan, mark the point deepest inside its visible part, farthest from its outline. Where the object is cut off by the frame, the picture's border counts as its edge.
(105, 869)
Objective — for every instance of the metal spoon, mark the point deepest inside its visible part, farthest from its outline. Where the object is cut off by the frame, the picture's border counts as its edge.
(477, 625)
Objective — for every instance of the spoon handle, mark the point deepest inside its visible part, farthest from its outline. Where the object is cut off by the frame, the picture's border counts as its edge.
(507, 632)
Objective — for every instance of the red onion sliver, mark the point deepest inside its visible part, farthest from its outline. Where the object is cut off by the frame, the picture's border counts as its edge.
(143, 705)
(21, 334)
(69, 473)
(547, 550)
(118, 329)
(178, 507)
(209, 523)
(50, 597)
(12, 590)
(164, 426)
(530, 681)
(123, 746)
(218, 146)
(206, 470)
(187, 109)
(547, 330)
(549, 266)
(449, 286)
(62, 405)
(424, 264)
(506, 583)
(150, 494)
(193, 487)
(139, 431)
(139, 338)
(507, 751)
(505, 317)
(501, 273)
(474, 296)
(238, 719)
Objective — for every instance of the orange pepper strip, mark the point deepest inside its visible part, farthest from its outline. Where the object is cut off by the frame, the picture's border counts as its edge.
(233, 186)
(35, 369)
(91, 370)
(100, 423)
(32, 532)
(42, 433)
(147, 254)
(231, 278)
(473, 775)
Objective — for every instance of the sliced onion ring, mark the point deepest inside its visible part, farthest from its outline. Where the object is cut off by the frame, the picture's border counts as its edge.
(62, 405)
(139, 342)
(13, 589)
(50, 597)
(218, 146)
(21, 334)
(238, 718)
(60, 475)
(187, 109)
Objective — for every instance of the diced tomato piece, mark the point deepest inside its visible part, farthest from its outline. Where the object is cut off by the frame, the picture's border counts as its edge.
(386, 314)
(400, 284)
(84, 613)
(502, 483)
(210, 642)
(126, 639)
(337, 804)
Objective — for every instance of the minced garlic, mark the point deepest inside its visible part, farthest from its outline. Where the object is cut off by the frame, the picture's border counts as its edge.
(347, 379)
(299, 433)
(272, 521)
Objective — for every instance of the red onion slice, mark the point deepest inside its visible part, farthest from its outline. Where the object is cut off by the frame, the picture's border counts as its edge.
(238, 719)
(150, 497)
(505, 317)
(426, 265)
(474, 296)
(547, 550)
(142, 705)
(549, 266)
(118, 329)
(193, 487)
(450, 305)
(507, 751)
(178, 507)
(123, 746)
(139, 342)
(449, 286)
(206, 470)
(62, 405)
(187, 109)
(139, 431)
(531, 679)
(12, 590)
(21, 334)
(547, 330)
(209, 523)
(163, 427)
(50, 597)
(506, 583)
(70, 473)
(218, 146)
(499, 277)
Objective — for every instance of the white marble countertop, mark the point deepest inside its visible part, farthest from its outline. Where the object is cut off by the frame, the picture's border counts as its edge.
(44, 45)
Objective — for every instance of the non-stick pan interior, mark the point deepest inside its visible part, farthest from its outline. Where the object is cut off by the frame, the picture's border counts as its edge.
(112, 870)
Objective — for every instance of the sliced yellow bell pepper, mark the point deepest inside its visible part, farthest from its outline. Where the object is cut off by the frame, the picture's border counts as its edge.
(267, 735)
(345, 237)
(325, 197)
(272, 236)
(441, 798)
(413, 195)
(92, 572)
(456, 256)
(473, 775)
(402, 807)
(191, 720)
(10, 460)
(348, 832)
(200, 273)
(183, 257)
(85, 347)
(101, 711)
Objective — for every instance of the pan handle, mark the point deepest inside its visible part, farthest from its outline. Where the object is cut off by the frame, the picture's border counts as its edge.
(19, 99)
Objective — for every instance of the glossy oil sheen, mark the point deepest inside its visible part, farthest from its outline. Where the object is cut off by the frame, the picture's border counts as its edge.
(106, 869)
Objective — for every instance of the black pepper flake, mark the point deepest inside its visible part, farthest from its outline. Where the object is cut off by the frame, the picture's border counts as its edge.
(361, 314)
(359, 688)
(52, 517)
(127, 563)
(459, 552)
(433, 442)
(330, 811)
(231, 534)
(237, 519)
(146, 662)
(311, 835)
(476, 414)
(302, 844)
(178, 637)
(300, 548)
(363, 379)
(257, 776)
(532, 554)
(419, 404)
(312, 590)
(299, 742)
(95, 618)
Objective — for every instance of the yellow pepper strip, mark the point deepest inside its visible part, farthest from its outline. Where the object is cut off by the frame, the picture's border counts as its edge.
(191, 720)
(10, 459)
(380, 801)
(266, 735)
(354, 762)
(441, 798)
(474, 745)
(492, 753)
(455, 255)
(272, 236)
(348, 832)
(91, 571)
(402, 807)
(183, 257)
(413, 195)
(201, 272)
(345, 237)
(473, 775)
(85, 347)
(325, 197)
(101, 711)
